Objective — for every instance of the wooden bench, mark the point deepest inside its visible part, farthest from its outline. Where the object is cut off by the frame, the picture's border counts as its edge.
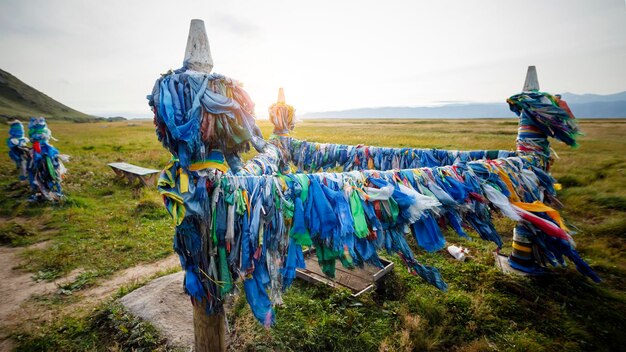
(357, 280)
(147, 177)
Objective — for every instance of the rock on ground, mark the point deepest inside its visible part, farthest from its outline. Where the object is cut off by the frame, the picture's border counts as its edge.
(163, 303)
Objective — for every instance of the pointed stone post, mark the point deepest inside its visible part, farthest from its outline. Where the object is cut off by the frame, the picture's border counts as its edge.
(198, 52)
(209, 330)
(281, 95)
(531, 84)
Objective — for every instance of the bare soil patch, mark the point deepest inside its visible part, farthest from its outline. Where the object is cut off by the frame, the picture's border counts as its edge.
(18, 286)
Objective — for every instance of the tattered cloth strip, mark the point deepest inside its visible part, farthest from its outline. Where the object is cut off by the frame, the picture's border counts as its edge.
(283, 117)
(312, 156)
(253, 227)
(540, 118)
(46, 170)
(197, 113)
(270, 161)
(19, 151)
(532, 245)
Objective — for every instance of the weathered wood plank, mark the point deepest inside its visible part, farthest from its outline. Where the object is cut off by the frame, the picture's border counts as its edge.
(133, 169)
(357, 280)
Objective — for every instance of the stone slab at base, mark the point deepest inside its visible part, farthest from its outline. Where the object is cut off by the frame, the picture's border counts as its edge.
(164, 304)
(502, 263)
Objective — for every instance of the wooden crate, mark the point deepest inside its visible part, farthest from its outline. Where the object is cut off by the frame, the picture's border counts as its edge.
(357, 280)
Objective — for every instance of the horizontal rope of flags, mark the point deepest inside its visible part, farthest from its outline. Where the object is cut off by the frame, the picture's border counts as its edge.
(251, 222)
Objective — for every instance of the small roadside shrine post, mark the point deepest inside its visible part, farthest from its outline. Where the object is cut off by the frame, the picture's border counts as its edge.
(541, 117)
(521, 254)
(205, 120)
(282, 116)
(209, 330)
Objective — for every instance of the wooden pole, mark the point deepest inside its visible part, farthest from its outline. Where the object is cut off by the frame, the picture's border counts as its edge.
(209, 330)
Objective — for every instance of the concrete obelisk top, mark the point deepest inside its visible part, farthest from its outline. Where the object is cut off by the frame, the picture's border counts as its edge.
(281, 95)
(532, 82)
(198, 53)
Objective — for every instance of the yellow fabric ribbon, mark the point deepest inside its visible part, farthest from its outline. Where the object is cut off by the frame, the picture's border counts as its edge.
(539, 207)
(522, 248)
(509, 185)
(183, 180)
(175, 206)
(208, 165)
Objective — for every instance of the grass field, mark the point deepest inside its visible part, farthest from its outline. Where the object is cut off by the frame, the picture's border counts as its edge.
(106, 226)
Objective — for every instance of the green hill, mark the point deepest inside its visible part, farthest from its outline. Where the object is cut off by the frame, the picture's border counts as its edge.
(19, 100)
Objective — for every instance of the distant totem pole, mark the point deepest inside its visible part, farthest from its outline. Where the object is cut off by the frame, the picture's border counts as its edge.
(282, 116)
(19, 151)
(46, 169)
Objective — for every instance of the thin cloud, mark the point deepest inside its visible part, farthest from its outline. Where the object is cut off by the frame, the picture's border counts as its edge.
(234, 25)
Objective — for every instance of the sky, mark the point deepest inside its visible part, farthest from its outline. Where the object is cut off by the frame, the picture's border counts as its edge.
(102, 57)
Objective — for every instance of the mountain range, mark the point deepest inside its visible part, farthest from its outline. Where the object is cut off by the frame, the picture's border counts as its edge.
(19, 100)
(582, 105)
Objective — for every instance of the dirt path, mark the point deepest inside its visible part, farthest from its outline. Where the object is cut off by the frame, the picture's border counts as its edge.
(17, 286)
(126, 277)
